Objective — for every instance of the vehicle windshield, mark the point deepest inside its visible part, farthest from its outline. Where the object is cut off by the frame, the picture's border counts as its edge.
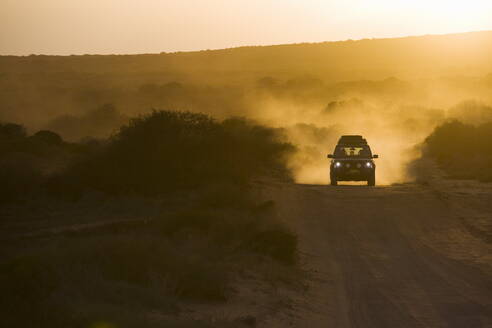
(359, 151)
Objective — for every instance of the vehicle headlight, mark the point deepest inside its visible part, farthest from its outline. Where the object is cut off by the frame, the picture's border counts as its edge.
(338, 164)
(369, 164)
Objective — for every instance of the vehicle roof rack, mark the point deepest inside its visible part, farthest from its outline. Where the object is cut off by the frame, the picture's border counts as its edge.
(352, 140)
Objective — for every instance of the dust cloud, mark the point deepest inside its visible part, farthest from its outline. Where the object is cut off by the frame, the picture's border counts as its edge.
(394, 92)
(393, 130)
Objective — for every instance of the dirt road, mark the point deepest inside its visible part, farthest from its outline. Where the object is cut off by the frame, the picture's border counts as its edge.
(396, 256)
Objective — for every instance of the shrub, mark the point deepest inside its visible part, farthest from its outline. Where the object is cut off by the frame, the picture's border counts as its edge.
(166, 150)
(462, 150)
(11, 131)
(47, 137)
(26, 161)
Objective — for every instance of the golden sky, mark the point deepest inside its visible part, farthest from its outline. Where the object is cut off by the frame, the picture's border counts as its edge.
(151, 26)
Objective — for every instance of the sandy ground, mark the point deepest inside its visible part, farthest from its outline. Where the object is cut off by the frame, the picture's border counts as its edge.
(410, 255)
(393, 256)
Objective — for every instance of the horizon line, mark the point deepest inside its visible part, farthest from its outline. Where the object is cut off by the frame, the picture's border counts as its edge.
(250, 46)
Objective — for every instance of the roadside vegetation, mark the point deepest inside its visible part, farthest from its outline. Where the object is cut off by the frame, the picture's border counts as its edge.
(463, 151)
(165, 211)
(166, 150)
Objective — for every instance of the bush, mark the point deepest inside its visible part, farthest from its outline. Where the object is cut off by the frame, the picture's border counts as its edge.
(11, 131)
(47, 137)
(26, 161)
(462, 150)
(169, 150)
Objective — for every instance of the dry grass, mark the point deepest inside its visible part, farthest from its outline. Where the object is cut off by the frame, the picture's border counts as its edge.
(120, 271)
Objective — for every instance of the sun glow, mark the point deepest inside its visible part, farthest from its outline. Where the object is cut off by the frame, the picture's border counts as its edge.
(436, 15)
(130, 26)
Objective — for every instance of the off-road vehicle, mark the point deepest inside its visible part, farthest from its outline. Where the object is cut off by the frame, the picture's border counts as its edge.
(352, 160)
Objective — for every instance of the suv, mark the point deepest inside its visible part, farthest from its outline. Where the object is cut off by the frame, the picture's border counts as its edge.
(352, 160)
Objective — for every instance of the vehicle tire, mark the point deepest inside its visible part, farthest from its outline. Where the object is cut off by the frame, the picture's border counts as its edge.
(372, 180)
(333, 181)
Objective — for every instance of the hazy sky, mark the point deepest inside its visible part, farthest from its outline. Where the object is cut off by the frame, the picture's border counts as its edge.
(150, 26)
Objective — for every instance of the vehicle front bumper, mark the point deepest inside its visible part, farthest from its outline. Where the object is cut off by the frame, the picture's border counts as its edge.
(352, 171)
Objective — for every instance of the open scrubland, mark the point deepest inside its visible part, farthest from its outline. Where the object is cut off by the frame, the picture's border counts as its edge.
(124, 230)
(188, 189)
